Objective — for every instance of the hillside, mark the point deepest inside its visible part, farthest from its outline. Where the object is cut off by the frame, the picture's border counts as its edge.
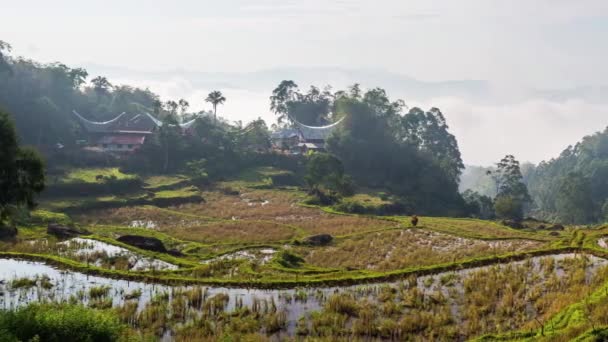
(247, 232)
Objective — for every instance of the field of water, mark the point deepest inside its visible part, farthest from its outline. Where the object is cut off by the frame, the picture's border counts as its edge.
(24, 281)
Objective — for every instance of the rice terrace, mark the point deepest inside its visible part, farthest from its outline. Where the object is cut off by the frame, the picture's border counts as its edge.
(267, 171)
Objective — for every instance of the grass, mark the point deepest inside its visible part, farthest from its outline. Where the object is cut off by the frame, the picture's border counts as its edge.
(89, 175)
(163, 181)
(235, 232)
(473, 228)
(182, 192)
(253, 213)
(58, 323)
(397, 249)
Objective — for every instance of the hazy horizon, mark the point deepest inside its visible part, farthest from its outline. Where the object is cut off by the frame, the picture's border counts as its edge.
(523, 77)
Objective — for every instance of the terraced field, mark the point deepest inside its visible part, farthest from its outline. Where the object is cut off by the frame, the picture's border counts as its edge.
(376, 277)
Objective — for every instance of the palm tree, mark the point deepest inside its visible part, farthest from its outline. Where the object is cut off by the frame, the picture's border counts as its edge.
(215, 97)
(101, 85)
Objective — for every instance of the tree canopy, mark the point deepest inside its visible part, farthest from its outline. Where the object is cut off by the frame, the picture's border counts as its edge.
(573, 188)
(21, 171)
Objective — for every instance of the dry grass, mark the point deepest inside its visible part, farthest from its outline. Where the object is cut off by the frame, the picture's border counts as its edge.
(235, 232)
(391, 250)
(281, 207)
(471, 228)
(162, 218)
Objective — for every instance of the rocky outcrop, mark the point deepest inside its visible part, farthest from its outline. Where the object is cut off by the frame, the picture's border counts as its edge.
(319, 240)
(143, 242)
(64, 231)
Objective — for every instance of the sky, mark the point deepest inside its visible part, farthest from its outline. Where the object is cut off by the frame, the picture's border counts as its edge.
(524, 77)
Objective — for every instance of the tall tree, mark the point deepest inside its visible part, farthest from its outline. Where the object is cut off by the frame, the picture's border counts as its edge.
(101, 85)
(157, 107)
(325, 173)
(171, 107)
(215, 98)
(284, 93)
(429, 132)
(183, 106)
(21, 172)
(512, 193)
(5, 48)
(312, 108)
(369, 142)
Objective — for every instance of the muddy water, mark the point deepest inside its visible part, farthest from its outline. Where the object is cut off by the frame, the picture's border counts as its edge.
(92, 248)
(68, 284)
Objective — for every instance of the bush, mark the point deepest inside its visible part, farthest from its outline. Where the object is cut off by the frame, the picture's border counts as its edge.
(507, 207)
(289, 259)
(59, 322)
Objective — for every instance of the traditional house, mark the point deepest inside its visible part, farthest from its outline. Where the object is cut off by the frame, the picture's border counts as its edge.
(285, 139)
(303, 138)
(124, 133)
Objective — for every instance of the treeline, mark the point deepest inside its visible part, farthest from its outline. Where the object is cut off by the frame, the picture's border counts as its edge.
(41, 98)
(573, 188)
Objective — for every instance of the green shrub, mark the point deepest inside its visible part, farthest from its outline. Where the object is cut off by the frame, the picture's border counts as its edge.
(289, 259)
(59, 322)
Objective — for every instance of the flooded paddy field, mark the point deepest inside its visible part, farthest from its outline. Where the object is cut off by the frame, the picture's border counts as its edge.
(96, 253)
(457, 304)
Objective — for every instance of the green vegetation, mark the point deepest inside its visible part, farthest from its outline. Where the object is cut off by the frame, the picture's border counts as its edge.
(21, 175)
(58, 323)
(572, 188)
(94, 175)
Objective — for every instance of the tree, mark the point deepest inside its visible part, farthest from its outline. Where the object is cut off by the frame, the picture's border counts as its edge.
(21, 172)
(157, 107)
(5, 48)
(183, 105)
(169, 138)
(325, 176)
(255, 136)
(312, 108)
(370, 143)
(101, 85)
(171, 107)
(281, 96)
(573, 201)
(215, 98)
(508, 207)
(512, 193)
(78, 77)
(480, 206)
(428, 131)
(573, 187)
